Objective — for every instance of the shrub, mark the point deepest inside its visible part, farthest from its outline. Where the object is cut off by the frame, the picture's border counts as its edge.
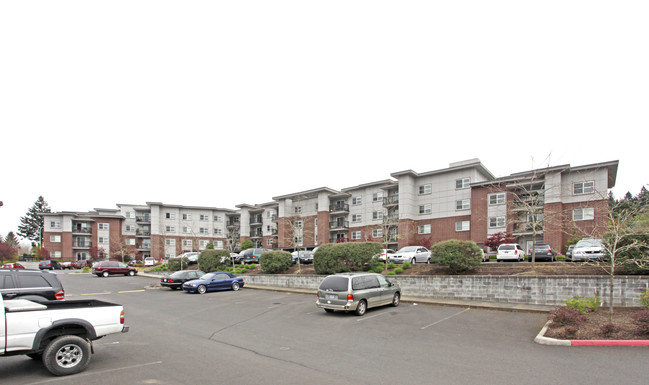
(391, 273)
(608, 330)
(644, 299)
(398, 271)
(343, 257)
(247, 244)
(406, 265)
(458, 256)
(568, 332)
(273, 262)
(174, 264)
(641, 321)
(563, 316)
(213, 260)
(583, 305)
(391, 265)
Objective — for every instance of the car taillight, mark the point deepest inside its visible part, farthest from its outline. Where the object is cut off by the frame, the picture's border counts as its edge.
(60, 295)
(350, 298)
(549, 251)
(170, 280)
(121, 317)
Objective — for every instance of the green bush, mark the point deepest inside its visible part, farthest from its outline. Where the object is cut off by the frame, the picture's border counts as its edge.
(644, 298)
(458, 256)
(174, 264)
(247, 244)
(391, 273)
(583, 305)
(398, 270)
(406, 266)
(391, 265)
(343, 257)
(213, 260)
(273, 262)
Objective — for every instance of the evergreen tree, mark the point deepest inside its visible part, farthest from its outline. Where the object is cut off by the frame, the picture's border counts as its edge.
(11, 239)
(32, 223)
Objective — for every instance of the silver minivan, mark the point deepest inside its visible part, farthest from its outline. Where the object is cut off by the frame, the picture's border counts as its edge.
(357, 292)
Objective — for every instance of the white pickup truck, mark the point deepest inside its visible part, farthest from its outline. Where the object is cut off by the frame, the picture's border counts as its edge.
(58, 332)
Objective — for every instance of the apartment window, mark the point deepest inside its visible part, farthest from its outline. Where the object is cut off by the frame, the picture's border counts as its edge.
(203, 218)
(298, 224)
(377, 233)
(218, 244)
(55, 238)
(218, 232)
(377, 215)
(218, 218)
(464, 204)
(55, 254)
(170, 229)
(130, 241)
(425, 209)
(423, 229)
(357, 200)
(356, 235)
(102, 226)
(497, 199)
(170, 242)
(462, 226)
(377, 197)
(425, 189)
(129, 214)
(202, 244)
(496, 222)
(170, 216)
(583, 188)
(102, 240)
(298, 209)
(187, 244)
(462, 183)
(583, 214)
(204, 230)
(55, 224)
(187, 230)
(187, 217)
(269, 242)
(298, 240)
(357, 218)
(130, 228)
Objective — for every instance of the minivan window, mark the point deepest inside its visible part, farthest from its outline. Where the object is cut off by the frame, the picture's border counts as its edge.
(365, 282)
(506, 247)
(334, 283)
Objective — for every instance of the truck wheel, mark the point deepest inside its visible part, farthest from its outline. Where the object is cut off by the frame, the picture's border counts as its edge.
(66, 355)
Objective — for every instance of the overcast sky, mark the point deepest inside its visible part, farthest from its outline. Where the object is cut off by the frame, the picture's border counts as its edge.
(218, 103)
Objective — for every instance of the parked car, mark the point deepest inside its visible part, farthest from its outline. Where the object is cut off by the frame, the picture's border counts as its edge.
(542, 251)
(192, 256)
(411, 254)
(33, 285)
(14, 265)
(356, 292)
(67, 265)
(251, 255)
(106, 268)
(149, 261)
(485, 257)
(214, 281)
(175, 280)
(510, 252)
(589, 249)
(385, 253)
(49, 265)
(569, 253)
(80, 264)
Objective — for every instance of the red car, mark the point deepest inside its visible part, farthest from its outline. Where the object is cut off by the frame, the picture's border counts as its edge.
(13, 266)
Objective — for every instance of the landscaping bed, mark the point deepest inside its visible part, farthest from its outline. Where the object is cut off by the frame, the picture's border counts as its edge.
(596, 326)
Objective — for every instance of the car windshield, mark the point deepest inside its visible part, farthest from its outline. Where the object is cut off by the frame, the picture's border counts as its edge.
(178, 274)
(407, 249)
(335, 283)
(208, 276)
(589, 243)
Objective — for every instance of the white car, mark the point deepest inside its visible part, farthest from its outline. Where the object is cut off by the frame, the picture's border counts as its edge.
(191, 256)
(149, 261)
(411, 254)
(385, 253)
(510, 252)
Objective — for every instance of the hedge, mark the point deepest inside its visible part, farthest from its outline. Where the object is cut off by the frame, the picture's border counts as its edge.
(213, 260)
(343, 257)
(273, 262)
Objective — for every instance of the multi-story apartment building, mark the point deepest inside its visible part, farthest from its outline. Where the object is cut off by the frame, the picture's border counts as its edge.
(464, 201)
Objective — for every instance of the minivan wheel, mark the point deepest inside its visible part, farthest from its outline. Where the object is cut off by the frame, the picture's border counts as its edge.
(201, 289)
(396, 299)
(105, 274)
(361, 308)
(131, 273)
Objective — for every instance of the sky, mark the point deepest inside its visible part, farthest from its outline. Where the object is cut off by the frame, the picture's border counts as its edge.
(219, 103)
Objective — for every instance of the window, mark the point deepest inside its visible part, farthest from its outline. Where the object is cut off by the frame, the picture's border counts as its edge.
(187, 243)
(55, 224)
(130, 241)
(55, 238)
(462, 183)
(425, 189)
(218, 218)
(298, 209)
(377, 197)
(497, 199)
(423, 229)
(298, 240)
(170, 242)
(377, 215)
(102, 226)
(202, 244)
(583, 188)
(203, 218)
(129, 214)
(357, 218)
(298, 224)
(464, 204)
(204, 230)
(356, 235)
(496, 222)
(102, 240)
(187, 230)
(218, 232)
(462, 226)
(130, 228)
(187, 217)
(170, 216)
(425, 209)
(170, 229)
(583, 214)
(377, 233)
(357, 200)
(218, 244)
(53, 255)
(269, 242)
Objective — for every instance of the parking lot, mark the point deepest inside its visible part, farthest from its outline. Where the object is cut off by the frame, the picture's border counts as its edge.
(263, 337)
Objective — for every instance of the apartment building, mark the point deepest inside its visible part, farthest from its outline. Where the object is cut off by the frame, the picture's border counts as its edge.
(464, 201)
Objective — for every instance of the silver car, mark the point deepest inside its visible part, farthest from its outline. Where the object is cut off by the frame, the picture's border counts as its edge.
(411, 254)
(357, 292)
(589, 249)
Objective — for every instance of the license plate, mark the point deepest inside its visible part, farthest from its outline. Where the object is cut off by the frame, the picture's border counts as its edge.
(331, 296)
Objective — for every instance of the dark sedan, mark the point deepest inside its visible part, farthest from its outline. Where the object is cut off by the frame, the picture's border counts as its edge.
(175, 281)
(212, 282)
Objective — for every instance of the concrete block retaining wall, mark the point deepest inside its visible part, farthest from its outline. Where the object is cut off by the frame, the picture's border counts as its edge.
(534, 290)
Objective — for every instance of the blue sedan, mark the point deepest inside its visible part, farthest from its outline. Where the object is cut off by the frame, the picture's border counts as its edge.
(213, 281)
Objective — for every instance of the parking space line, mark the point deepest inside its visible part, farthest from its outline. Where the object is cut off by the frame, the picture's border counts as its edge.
(444, 319)
(97, 293)
(130, 291)
(371, 316)
(89, 373)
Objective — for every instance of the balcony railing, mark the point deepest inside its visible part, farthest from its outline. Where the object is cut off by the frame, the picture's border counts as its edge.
(390, 200)
(143, 219)
(339, 207)
(82, 230)
(81, 245)
(339, 225)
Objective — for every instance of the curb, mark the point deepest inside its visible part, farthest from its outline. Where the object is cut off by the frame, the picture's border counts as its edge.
(541, 339)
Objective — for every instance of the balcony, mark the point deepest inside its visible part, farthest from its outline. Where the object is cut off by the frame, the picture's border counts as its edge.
(392, 200)
(339, 208)
(143, 219)
(82, 230)
(338, 225)
(257, 220)
(233, 224)
(338, 240)
(142, 233)
(144, 247)
(81, 244)
(527, 228)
